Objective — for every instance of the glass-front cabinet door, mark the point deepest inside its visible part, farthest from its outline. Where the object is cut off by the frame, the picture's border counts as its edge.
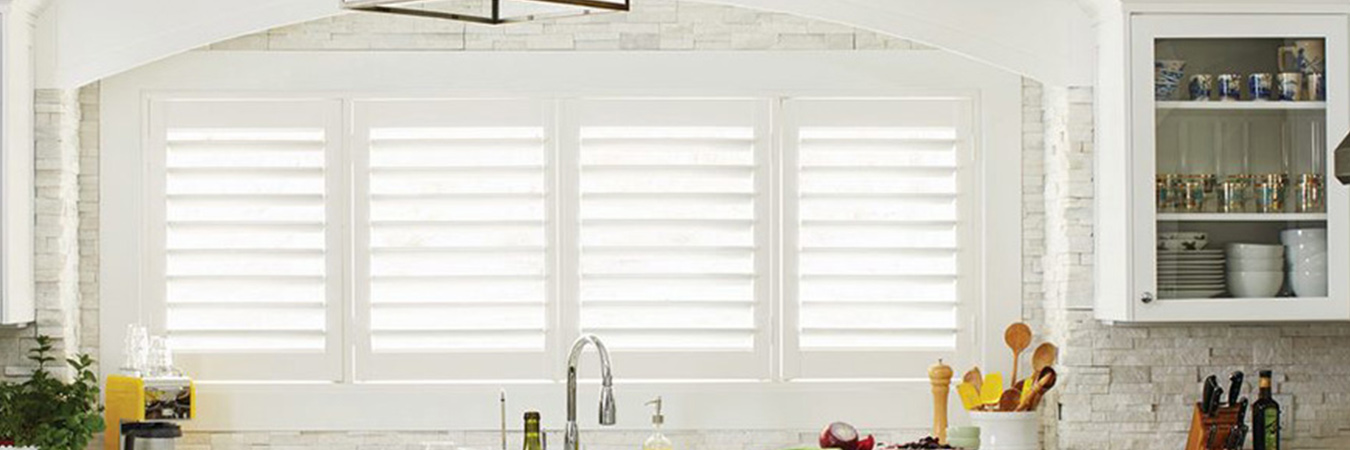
(1236, 214)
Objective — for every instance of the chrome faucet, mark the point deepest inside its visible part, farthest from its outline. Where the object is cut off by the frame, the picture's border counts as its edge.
(607, 415)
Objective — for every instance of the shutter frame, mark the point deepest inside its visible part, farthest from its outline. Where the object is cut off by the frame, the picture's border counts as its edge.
(224, 119)
(670, 121)
(441, 119)
(871, 119)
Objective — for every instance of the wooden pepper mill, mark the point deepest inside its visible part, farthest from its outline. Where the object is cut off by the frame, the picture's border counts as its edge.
(940, 375)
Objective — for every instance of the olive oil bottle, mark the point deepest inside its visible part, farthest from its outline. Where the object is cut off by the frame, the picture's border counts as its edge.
(534, 439)
(1265, 417)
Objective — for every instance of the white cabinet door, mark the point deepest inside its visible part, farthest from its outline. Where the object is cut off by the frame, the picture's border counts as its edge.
(16, 167)
(1188, 155)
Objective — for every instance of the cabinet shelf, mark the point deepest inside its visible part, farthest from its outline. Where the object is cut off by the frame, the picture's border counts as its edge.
(1243, 105)
(1241, 217)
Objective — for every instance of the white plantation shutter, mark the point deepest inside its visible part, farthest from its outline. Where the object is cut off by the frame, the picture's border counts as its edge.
(250, 272)
(454, 237)
(874, 236)
(671, 230)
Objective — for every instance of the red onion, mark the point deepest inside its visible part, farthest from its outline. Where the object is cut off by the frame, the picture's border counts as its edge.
(839, 435)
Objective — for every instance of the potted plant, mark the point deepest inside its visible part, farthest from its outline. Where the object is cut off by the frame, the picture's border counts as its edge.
(48, 413)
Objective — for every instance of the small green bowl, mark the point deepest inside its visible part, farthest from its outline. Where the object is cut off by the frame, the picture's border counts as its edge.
(963, 432)
(964, 443)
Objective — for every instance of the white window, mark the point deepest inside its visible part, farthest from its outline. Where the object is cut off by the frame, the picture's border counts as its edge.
(749, 233)
(247, 271)
(454, 237)
(876, 235)
(486, 234)
(672, 234)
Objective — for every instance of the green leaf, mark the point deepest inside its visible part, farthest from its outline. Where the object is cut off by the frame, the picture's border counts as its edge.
(44, 411)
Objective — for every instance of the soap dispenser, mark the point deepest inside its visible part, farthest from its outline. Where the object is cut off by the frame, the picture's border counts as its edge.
(657, 441)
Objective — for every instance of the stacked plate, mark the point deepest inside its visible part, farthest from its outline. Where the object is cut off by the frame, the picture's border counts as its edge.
(1190, 273)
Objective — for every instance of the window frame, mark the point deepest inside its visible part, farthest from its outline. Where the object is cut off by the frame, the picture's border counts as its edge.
(996, 93)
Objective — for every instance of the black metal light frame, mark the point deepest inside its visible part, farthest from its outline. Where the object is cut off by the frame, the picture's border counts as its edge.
(395, 7)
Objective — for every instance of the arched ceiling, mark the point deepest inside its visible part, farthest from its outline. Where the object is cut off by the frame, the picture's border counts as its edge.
(86, 40)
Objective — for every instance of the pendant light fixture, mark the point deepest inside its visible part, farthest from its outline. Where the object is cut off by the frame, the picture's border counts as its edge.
(489, 12)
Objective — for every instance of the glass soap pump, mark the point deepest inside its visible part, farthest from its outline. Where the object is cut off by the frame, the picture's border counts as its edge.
(657, 441)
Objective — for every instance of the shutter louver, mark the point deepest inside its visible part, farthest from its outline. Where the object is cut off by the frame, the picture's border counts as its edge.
(245, 240)
(245, 276)
(878, 238)
(667, 237)
(454, 239)
(875, 220)
(457, 239)
(670, 228)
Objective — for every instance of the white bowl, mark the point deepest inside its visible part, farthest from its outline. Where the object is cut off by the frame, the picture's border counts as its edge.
(1254, 251)
(1256, 265)
(1304, 235)
(1309, 283)
(1310, 264)
(1299, 250)
(1262, 284)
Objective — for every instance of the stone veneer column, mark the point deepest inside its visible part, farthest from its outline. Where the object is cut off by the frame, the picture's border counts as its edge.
(55, 247)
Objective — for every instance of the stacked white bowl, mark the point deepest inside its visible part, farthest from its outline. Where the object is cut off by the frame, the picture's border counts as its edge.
(1255, 270)
(1306, 250)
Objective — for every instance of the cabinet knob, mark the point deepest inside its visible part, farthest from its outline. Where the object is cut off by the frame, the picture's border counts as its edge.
(1147, 298)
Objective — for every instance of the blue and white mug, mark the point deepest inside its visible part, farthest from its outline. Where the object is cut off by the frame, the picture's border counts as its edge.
(1290, 86)
(1230, 87)
(1260, 85)
(1201, 87)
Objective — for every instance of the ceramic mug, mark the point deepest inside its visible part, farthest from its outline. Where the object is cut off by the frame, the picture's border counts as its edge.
(1315, 86)
(1260, 85)
(1289, 86)
(1305, 56)
(1201, 87)
(1230, 86)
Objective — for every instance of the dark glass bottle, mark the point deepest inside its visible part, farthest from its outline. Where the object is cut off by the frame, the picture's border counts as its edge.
(1265, 417)
(534, 439)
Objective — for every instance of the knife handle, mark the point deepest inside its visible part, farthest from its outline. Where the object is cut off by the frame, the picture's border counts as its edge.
(1234, 387)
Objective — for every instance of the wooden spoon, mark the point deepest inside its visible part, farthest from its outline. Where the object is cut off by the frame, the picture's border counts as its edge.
(1018, 338)
(1010, 400)
(1045, 356)
(973, 377)
(1044, 381)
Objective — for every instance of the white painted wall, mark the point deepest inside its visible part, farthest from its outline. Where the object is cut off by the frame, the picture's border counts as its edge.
(1050, 40)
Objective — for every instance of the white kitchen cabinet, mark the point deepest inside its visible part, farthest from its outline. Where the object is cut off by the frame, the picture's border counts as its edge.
(16, 164)
(1219, 167)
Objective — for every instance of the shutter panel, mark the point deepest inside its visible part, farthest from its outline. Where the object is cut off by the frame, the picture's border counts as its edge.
(877, 225)
(457, 237)
(246, 262)
(670, 235)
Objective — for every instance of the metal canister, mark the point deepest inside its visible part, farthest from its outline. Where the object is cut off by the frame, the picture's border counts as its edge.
(1260, 85)
(1230, 86)
(1201, 87)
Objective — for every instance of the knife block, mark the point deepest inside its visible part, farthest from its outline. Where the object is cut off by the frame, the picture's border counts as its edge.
(1200, 439)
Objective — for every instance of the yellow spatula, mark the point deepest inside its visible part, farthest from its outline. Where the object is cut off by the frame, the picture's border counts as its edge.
(992, 389)
(970, 397)
(1026, 389)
